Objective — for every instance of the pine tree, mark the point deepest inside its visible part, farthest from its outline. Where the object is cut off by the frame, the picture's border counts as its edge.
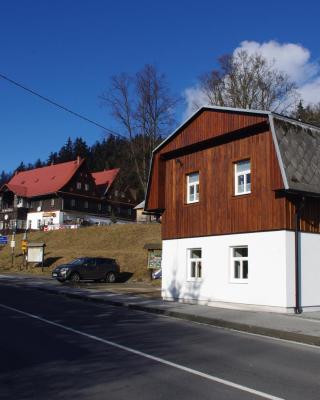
(66, 151)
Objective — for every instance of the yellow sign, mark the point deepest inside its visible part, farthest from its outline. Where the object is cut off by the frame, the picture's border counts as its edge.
(24, 245)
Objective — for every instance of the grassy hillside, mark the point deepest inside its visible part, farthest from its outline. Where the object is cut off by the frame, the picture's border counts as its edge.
(122, 242)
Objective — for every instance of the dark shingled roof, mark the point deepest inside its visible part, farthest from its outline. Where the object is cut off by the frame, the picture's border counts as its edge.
(299, 148)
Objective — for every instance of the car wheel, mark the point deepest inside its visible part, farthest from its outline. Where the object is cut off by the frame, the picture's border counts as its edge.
(75, 277)
(111, 277)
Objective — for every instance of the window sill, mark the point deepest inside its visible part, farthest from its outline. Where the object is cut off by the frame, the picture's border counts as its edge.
(239, 281)
(195, 203)
(195, 280)
(241, 196)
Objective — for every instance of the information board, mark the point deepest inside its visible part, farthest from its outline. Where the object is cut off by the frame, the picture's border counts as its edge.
(154, 258)
(35, 254)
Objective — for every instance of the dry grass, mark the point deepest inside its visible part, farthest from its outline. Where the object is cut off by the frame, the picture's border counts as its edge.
(122, 242)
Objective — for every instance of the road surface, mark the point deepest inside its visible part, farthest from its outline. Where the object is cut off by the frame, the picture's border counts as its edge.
(53, 347)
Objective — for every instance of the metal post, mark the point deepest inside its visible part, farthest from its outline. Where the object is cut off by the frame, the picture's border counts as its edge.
(297, 242)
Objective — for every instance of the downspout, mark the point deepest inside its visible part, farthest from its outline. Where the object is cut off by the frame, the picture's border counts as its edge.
(297, 247)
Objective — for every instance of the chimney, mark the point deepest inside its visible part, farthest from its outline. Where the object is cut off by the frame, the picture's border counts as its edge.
(78, 160)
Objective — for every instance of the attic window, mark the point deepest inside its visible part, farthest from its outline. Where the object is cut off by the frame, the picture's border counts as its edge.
(23, 182)
(36, 180)
(193, 188)
(242, 177)
(53, 177)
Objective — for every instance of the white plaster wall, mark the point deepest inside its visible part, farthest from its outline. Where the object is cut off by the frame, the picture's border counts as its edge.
(290, 256)
(267, 282)
(34, 216)
(310, 270)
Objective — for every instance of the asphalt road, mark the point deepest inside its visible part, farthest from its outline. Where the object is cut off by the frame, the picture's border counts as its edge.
(52, 347)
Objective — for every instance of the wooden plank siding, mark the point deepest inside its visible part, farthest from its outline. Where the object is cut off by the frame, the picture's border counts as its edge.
(234, 138)
(219, 211)
(310, 215)
(204, 126)
(211, 142)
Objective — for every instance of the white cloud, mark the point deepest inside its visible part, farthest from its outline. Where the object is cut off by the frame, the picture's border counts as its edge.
(193, 96)
(290, 58)
(293, 59)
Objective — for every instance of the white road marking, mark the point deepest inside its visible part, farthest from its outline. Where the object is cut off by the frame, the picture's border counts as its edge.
(149, 356)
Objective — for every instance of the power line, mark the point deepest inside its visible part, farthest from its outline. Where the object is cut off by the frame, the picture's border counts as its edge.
(52, 102)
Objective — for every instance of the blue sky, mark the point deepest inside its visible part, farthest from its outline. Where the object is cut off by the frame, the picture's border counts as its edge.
(67, 50)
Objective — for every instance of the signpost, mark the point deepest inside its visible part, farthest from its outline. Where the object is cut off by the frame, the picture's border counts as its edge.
(13, 246)
(154, 256)
(3, 240)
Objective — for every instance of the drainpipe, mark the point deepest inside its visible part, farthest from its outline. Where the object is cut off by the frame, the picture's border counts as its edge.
(297, 243)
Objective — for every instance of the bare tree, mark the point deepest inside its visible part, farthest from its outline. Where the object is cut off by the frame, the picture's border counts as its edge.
(248, 81)
(143, 107)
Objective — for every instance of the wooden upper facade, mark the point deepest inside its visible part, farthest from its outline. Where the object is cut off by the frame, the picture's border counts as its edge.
(210, 144)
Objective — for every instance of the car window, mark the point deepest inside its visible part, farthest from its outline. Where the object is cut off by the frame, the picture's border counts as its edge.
(78, 261)
(91, 262)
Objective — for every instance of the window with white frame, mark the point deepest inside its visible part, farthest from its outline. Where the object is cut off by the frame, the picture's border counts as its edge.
(239, 264)
(86, 187)
(52, 202)
(73, 203)
(79, 185)
(242, 177)
(99, 206)
(193, 187)
(86, 204)
(194, 264)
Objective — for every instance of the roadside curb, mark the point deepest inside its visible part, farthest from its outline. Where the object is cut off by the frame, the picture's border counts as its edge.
(254, 329)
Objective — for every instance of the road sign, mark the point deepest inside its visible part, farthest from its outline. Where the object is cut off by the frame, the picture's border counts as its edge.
(24, 245)
(12, 244)
(3, 239)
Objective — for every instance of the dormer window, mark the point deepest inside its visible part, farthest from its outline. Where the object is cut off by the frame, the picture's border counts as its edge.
(86, 187)
(79, 185)
(193, 188)
(242, 177)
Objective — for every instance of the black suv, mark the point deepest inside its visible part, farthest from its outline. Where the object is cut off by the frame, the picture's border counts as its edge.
(105, 269)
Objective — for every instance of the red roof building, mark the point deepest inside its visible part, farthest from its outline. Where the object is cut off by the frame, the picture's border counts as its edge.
(62, 193)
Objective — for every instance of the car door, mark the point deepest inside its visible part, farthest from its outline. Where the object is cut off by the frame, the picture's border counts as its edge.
(90, 269)
(102, 267)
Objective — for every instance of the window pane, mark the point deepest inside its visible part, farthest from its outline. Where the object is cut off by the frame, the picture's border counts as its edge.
(191, 190)
(240, 183)
(193, 269)
(192, 178)
(195, 253)
(197, 192)
(199, 269)
(243, 166)
(245, 269)
(240, 252)
(237, 269)
(248, 182)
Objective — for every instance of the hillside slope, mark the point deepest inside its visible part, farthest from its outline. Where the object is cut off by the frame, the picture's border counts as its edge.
(122, 242)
